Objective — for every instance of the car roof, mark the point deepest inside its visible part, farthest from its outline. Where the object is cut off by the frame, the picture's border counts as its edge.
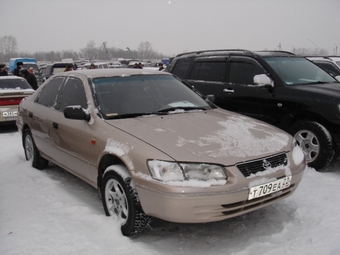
(222, 52)
(94, 73)
(11, 77)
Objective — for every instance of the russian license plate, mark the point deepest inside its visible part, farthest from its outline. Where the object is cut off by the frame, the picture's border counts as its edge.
(9, 114)
(268, 188)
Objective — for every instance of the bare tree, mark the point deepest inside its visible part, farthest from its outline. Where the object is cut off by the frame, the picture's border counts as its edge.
(90, 51)
(144, 49)
(8, 45)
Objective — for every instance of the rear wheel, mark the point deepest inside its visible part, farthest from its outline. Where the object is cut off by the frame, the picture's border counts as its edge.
(120, 200)
(31, 152)
(315, 142)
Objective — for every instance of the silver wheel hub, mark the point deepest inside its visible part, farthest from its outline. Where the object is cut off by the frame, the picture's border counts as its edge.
(116, 201)
(29, 147)
(309, 144)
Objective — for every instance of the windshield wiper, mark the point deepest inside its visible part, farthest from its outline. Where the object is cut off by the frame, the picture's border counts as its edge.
(164, 111)
(185, 108)
(136, 114)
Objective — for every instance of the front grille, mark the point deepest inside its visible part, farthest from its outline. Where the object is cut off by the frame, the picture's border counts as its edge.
(260, 165)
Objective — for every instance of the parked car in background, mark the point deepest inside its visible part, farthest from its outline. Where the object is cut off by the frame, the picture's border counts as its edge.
(153, 147)
(277, 87)
(115, 64)
(329, 64)
(98, 65)
(27, 63)
(12, 90)
(46, 71)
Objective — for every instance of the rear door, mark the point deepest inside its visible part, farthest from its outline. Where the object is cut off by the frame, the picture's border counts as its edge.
(208, 75)
(40, 119)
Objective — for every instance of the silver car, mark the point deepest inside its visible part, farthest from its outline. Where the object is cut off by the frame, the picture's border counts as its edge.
(155, 147)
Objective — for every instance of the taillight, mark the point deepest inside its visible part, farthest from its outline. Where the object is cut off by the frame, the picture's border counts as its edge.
(10, 100)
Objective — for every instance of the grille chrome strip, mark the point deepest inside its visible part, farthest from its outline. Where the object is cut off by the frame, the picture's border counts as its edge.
(260, 165)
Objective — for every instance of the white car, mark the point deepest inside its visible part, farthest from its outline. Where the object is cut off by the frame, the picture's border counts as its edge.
(330, 64)
(98, 65)
(12, 90)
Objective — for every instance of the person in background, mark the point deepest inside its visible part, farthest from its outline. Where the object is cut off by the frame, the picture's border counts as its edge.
(16, 71)
(4, 71)
(160, 67)
(92, 66)
(140, 65)
(29, 77)
(1, 67)
(31, 70)
(68, 68)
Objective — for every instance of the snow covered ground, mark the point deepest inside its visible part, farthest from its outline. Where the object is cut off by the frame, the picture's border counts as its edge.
(52, 212)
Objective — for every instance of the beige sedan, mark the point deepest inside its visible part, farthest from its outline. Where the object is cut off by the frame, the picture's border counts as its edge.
(155, 147)
(12, 90)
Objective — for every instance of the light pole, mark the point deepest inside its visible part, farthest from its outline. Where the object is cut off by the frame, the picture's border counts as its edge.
(130, 52)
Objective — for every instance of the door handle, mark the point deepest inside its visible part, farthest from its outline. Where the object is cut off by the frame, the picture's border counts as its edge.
(228, 90)
(55, 125)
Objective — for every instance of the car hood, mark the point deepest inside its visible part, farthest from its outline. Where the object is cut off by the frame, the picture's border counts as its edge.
(327, 89)
(207, 136)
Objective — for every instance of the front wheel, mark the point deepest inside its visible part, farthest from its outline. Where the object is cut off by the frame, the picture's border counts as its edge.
(31, 152)
(315, 142)
(120, 200)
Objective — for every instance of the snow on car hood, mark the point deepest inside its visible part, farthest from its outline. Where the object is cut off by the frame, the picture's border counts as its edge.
(207, 136)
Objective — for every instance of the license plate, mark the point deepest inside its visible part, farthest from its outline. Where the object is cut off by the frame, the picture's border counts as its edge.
(268, 188)
(10, 114)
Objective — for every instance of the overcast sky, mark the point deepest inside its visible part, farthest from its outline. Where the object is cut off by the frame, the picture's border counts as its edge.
(173, 26)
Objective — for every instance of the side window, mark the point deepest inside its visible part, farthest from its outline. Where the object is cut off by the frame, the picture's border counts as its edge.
(181, 67)
(244, 72)
(73, 93)
(209, 71)
(49, 93)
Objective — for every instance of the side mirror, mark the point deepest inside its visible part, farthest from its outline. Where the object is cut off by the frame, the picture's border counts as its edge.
(263, 80)
(211, 98)
(76, 112)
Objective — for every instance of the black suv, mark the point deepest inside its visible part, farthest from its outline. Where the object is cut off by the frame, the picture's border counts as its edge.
(277, 87)
(46, 71)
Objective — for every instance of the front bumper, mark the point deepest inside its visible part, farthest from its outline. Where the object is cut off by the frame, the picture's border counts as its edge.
(208, 205)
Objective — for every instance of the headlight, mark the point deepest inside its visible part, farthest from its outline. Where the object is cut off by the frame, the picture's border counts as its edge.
(170, 171)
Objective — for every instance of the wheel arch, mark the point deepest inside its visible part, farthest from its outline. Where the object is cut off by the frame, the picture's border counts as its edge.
(106, 161)
(291, 118)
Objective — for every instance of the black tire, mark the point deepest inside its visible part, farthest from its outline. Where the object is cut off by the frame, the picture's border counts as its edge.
(315, 141)
(120, 200)
(31, 152)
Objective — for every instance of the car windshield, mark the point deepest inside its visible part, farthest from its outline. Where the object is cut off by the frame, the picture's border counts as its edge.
(294, 71)
(138, 95)
(14, 84)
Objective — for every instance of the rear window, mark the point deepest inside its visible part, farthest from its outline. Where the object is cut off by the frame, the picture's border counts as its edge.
(209, 71)
(14, 84)
(181, 67)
